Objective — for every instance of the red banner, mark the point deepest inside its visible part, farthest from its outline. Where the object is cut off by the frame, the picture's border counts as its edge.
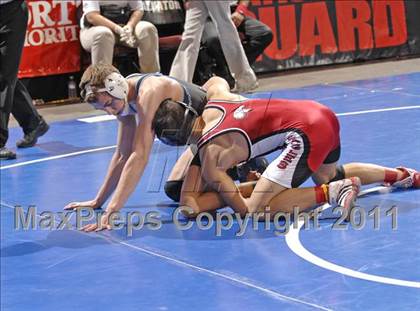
(52, 39)
(320, 32)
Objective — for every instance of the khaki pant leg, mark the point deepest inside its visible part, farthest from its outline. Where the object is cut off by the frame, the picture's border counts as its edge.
(148, 46)
(229, 37)
(185, 60)
(99, 41)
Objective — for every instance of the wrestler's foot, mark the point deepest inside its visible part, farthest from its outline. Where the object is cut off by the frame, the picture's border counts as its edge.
(344, 192)
(410, 179)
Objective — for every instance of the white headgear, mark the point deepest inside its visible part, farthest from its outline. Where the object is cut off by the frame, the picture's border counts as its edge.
(115, 85)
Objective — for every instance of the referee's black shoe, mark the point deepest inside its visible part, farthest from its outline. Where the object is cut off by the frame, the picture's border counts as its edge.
(31, 138)
(6, 154)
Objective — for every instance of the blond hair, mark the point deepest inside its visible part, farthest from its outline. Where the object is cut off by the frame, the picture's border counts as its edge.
(94, 76)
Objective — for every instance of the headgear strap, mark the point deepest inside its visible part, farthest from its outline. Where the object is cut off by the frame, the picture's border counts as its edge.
(115, 85)
(183, 133)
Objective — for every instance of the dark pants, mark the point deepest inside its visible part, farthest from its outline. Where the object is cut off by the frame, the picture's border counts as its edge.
(255, 36)
(14, 97)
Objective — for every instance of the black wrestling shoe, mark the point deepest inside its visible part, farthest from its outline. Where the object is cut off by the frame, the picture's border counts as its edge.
(257, 164)
(30, 139)
(6, 154)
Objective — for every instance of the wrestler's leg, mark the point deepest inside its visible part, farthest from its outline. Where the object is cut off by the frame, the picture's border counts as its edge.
(368, 174)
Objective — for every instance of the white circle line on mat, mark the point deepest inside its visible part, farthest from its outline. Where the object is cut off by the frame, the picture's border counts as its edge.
(294, 243)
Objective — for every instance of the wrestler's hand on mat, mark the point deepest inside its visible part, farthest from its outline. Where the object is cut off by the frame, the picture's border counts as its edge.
(104, 224)
(85, 204)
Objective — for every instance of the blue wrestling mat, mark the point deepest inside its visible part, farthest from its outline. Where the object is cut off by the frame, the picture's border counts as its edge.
(374, 266)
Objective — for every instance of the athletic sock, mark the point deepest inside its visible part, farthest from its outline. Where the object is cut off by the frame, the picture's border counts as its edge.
(321, 194)
(392, 177)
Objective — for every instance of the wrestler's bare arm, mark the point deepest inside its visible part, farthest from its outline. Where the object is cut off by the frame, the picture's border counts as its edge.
(153, 91)
(199, 198)
(126, 130)
(195, 196)
(216, 178)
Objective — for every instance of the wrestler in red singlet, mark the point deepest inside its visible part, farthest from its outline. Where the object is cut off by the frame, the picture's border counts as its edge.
(306, 131)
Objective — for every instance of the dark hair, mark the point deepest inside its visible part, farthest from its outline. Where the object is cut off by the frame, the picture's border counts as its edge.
(172, 124)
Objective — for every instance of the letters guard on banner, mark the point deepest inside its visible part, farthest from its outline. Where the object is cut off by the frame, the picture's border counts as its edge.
(319, 32)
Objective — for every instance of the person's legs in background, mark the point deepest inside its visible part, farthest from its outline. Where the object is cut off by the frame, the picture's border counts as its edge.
(211, 43)
(183, 65)
(32, 124)
(13, 19)
(257, 37)
(99, 41)
(13, 95)
(231, 45)
(6, 101)
(148, 46)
